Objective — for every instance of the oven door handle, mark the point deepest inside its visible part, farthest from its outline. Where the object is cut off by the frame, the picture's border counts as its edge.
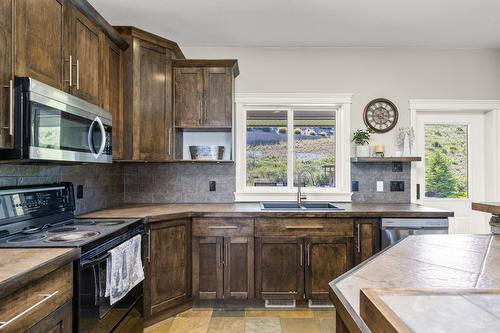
(95, 262)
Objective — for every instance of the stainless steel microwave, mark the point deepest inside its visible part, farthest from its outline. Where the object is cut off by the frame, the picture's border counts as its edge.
(51, 125)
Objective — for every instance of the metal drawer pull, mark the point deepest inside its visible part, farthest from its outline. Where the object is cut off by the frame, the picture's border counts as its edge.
(301, 257)
(46, 297)
(222, 227)
(358, 246)
(304, 227)
(226, 256)
(308, 251)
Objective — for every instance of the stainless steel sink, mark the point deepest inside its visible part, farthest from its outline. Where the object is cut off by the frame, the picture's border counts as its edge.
(290, 205)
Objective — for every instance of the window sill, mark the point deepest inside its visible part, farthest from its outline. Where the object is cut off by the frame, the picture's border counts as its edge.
(288, 195)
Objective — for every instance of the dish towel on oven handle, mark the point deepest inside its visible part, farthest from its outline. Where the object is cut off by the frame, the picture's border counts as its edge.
(124, 269)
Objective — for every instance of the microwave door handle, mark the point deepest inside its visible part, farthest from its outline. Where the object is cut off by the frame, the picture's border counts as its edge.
(103, 137)
(90, 137)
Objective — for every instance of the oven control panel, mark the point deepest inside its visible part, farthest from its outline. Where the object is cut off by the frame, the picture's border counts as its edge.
(35, 201)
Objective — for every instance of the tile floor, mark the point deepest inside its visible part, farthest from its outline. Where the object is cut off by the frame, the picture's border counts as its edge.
(248, 321)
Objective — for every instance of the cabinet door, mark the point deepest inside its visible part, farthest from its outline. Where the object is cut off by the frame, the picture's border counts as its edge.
(279, 267)
(42, 41)
(6, 75)
(112, 92)
(59, 321)
(153, 110)
(367, 240)
(218, 97)
(238, 267)
(85, 40)
(188, 98)
(169, 267)
(325, 259)
(208, 267)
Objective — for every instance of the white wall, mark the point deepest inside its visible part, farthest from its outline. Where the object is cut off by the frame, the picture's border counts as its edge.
(398, 74)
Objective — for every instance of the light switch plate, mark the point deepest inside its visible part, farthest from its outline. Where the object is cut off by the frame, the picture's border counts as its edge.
(380, 186)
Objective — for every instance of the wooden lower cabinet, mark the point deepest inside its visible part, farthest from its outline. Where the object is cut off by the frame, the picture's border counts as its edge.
(325, 259)
(223, 267)
(168, 268)
(298, 268)
(59, 321)
(367, 238)
(279, 268)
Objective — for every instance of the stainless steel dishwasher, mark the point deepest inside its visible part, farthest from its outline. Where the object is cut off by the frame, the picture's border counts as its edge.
(395, 229)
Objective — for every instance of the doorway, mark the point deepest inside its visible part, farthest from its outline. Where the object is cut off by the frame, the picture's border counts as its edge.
(456, 165)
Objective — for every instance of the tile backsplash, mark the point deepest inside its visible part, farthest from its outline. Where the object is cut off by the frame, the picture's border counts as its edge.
(102, 184)
(367, 174)
(110, 185)
(178, 182)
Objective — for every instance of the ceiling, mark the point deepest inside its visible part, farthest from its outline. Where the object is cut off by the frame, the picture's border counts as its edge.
(296, 23)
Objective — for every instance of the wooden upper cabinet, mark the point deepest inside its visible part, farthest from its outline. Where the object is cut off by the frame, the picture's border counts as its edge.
(148, 96)
(218, 90)
(168, 280)
(6, 74)
(203, 93)
(85, 52)
(42, 41)
(188, 97)
(112, 92)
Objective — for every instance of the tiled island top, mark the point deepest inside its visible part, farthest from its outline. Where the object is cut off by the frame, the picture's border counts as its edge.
(420, 262)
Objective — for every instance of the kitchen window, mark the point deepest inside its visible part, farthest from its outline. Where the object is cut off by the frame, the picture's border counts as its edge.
(279, 135)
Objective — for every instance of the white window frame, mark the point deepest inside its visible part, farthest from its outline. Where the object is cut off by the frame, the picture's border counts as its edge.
(341, 103)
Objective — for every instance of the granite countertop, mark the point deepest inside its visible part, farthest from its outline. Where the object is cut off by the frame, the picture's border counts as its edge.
(20, 266)
(430, 261)
(160, 212)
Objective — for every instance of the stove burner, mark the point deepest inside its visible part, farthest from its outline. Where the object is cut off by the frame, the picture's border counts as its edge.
(26, 238)
(81, 222)
(72, 236)
(62, 229)
(109, 223)
(32, 229)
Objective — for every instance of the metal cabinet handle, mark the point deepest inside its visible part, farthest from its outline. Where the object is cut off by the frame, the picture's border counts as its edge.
(222, 227)
(220, 256)
(46, 297)
(170, 141)
(201, 110)
(358, 245)
(77, 74)
(11, 108)
(226, 256)
(149, 246)
(304, 227)
(70, 81)
(301, 256)
(308, 254)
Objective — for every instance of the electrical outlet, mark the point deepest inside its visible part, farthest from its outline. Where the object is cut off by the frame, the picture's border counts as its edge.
(397, 186)
(79, 192)
(355, 186)
(397, 166)
(212, 185)
(380, 186)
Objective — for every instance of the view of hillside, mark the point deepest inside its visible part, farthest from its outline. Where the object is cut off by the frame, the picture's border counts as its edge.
(446, 161)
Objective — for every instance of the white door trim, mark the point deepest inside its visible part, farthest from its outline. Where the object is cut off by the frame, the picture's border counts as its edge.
(490, 107)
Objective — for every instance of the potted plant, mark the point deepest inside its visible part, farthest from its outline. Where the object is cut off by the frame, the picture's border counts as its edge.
(361, 138)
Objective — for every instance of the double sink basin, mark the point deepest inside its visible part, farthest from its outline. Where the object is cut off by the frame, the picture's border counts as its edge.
(292, 205)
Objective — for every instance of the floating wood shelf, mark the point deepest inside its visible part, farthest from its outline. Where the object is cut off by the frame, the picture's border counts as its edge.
(385, 159)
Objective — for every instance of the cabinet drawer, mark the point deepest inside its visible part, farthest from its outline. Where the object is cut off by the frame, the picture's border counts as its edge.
(341, 227)
(223, 227)
(27, 306)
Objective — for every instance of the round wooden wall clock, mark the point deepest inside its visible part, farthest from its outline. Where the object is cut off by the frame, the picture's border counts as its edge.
(381, 115)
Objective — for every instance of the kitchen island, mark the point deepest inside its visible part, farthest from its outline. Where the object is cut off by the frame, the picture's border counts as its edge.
(419, 264)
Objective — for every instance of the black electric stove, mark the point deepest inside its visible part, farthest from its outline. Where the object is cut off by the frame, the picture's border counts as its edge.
(43, 216)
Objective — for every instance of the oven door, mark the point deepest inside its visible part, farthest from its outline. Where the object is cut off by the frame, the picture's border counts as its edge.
(65, 128)
(95, 312)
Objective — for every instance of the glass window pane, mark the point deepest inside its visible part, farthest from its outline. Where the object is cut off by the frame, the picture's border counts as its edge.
(314, 147)
(446, 161)
(266, 148)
